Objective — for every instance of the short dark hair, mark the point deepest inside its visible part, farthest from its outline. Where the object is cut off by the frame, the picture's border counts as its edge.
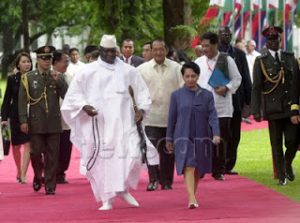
(95, 54)
(148, 43)
(73, 49)
(159, 40)
(212, 37)
(57, 55)
(127, 40)
(190, 65)
(90, 49)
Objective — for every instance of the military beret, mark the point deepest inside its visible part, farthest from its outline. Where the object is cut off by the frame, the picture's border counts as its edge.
(272, 31)
(45, 51)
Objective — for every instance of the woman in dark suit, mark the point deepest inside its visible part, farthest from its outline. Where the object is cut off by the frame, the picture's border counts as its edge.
(193, 127)
(9, 111)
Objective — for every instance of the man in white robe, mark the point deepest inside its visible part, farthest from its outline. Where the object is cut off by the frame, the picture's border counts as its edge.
(99, 110)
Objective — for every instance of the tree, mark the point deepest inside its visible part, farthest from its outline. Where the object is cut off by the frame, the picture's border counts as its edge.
(42, 16)
(139, 20)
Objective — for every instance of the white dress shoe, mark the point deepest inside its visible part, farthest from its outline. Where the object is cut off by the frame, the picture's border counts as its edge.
(105, 206)
(126, 196)
(193, 205)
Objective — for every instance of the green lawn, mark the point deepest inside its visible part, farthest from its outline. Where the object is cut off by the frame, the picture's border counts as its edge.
(254, 161)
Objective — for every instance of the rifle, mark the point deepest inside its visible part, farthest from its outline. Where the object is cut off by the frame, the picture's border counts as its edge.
(143, 145)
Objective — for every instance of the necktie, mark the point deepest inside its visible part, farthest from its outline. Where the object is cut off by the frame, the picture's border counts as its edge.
(277, 58)
(126, 60)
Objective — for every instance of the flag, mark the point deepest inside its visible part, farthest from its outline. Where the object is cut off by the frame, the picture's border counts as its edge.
(243, 17)
(273, 6)
(227, 12)
(211, 14)
(212, 11)
(258, 21)
(289, 13)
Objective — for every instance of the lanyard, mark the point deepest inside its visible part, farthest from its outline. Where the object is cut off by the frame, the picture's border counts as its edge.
(96, 136)
(209, 67)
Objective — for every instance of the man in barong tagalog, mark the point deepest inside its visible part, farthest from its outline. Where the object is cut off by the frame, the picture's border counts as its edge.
(99, 109)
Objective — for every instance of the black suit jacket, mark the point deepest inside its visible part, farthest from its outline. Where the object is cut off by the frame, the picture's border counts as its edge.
(243, 94)
(135, 60)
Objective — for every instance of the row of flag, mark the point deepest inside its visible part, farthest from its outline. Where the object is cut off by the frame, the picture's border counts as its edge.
(247, 18)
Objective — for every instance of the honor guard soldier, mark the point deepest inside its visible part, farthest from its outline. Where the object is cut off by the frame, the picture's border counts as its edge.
(39, 114)
(271, 100)
(295, 116)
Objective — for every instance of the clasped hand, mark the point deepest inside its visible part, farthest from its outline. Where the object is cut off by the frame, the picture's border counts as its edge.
(221, 90)
(90, 110)
(295, 119)
(138, 117)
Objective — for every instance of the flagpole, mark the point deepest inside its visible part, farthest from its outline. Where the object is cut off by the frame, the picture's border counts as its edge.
(267, 13)
(242, 19)
(259, 25)
(250, 19)
(231, 21)
(284, 26)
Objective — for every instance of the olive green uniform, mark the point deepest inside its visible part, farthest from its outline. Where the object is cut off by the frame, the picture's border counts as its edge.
(39, 107)
(296, 91)
(271, 97)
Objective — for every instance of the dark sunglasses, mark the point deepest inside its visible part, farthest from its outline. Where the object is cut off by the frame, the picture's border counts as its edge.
(45, 57)
(273, 37)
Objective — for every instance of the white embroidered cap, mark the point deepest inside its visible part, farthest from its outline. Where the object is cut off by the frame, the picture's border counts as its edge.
(108, 41)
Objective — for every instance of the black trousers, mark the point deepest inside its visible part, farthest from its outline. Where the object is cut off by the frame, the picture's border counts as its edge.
(233, 143)
(48, 145)
(65, 150)
(166, 168)
(219, 153)
(278, 129)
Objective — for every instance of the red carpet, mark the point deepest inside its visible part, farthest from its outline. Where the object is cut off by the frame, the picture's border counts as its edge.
(254, 125)
(235, 200)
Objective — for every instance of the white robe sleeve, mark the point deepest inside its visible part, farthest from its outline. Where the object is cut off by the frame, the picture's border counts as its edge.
(234, 75)
(141, 92)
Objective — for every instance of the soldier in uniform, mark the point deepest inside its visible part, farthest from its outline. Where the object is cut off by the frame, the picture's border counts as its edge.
(295, 116)
(271, 93)
(39, 114)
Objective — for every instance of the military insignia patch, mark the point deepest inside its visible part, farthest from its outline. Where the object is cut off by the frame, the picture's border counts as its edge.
(35, 84)
(47, 49)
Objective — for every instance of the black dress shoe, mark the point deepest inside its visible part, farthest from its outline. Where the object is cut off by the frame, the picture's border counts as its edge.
(219, 177)
(231, 172)
(43, 180)
(290, 173)
(166, 187)
(282, 182)
(152, 186)
(37, 184)
(50, 191)
(61, 181)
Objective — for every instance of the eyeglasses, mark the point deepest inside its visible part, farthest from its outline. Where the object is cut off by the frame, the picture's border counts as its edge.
(45, 57)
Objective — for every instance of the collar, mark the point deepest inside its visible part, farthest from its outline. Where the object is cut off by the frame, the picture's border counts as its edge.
(197, 91)
(272, 52)
(215, 58)
(129, 58)
(165, 63)
(108, 65)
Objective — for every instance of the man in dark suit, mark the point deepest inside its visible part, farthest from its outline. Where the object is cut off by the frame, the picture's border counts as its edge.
(241, 98)
(273, 75)
(127, 51)
(39, 115)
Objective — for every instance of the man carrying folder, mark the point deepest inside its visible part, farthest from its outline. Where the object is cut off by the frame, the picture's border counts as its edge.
(220, 75)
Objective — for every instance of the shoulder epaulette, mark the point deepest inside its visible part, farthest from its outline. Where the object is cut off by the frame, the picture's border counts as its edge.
(262, 56)
(288, 53)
